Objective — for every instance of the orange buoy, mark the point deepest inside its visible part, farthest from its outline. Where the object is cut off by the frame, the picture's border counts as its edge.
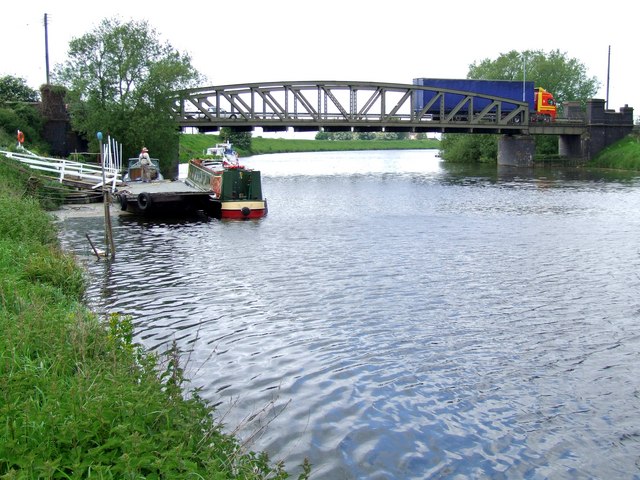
(20, 137)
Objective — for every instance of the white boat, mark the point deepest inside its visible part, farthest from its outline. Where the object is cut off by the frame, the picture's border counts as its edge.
(223, 152)
(134, 171)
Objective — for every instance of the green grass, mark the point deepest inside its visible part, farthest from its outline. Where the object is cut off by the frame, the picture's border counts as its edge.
(622, 155)
(193, 145)
(78, 399)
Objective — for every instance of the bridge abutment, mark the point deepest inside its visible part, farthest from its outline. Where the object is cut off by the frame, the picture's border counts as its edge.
(601, 128)
(604, 127)
(516, 150)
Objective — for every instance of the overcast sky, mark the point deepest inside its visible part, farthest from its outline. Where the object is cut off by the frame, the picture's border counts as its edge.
(235, 41)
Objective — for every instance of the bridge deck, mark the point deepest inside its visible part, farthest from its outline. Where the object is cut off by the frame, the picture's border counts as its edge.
(355, 106)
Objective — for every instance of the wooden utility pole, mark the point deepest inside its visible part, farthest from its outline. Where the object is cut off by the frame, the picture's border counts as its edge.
(46, 44)
(606, 105)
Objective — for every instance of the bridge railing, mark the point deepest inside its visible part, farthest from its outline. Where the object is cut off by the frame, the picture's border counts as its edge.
(326, 104)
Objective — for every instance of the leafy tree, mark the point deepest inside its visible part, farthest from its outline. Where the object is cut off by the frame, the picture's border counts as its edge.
(239, 139)
(462, 148)
(362, 136)
(14, 89)
(27, 119)
(18, 113)
(120, 77)
(565, 77)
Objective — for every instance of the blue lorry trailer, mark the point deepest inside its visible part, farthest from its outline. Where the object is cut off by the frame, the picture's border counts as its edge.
(496, 88)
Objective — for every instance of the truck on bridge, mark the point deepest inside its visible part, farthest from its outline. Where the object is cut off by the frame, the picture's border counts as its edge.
(542, 105)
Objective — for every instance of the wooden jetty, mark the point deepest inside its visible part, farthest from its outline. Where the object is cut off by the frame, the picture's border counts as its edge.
(161, 197)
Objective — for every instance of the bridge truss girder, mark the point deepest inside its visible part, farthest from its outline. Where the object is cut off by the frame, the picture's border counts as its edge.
(336, 106)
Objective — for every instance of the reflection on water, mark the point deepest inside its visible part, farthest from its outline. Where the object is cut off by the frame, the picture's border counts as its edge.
(391, 318)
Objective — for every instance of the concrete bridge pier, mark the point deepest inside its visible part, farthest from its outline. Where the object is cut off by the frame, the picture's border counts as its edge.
(516, 150)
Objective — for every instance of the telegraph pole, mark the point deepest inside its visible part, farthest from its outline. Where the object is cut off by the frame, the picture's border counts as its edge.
(606, 105)
(46, 44)
(524, 75)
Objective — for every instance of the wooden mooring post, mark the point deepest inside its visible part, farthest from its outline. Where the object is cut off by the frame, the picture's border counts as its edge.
(106, 200)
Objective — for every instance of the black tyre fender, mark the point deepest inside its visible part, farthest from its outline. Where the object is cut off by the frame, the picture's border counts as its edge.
(144, 201)
(123, 202)
(246, 211)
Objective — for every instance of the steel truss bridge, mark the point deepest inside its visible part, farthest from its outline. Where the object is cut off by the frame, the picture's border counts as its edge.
(335, 106)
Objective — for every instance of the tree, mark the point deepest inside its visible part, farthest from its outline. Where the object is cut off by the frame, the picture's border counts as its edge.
(463, 148)
(239, 139)
(565, 77)
(14, 89)
(17, 111)
(120, 78)
(27, 119)
(337, 136)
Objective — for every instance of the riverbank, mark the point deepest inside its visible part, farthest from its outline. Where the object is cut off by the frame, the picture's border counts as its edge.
(193, 145)
(79, 398)
(623, 155)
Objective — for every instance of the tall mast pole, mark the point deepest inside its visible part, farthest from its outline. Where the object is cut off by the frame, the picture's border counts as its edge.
(46, 44)
(524, 75)
(608, 72)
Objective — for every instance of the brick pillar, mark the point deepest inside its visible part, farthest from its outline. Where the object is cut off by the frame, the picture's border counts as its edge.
(597, 137)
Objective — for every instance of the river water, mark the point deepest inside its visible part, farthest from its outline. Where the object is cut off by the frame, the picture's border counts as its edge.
(393, 318)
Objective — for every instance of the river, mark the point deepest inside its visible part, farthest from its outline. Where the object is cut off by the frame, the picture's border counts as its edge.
(393, 318)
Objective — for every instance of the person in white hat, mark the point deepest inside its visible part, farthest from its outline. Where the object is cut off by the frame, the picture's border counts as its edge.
(145, 164)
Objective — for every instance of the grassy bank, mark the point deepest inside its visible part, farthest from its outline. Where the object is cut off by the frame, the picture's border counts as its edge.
(77, 398)
(622, 155)
(192, 146)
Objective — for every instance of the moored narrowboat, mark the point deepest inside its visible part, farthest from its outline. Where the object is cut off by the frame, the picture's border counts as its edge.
(236, 191)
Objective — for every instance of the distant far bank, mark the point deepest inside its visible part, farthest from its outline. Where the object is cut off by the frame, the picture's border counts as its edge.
(623, 155)
(193, 145)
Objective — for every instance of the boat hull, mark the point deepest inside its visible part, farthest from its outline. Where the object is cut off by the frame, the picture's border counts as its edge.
(243, 210)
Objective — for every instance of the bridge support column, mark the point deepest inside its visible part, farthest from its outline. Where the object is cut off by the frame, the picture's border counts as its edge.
(516, 150)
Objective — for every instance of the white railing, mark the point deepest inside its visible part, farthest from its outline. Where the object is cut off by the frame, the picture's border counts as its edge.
(69, 169)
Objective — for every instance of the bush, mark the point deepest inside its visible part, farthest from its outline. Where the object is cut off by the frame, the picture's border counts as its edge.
(546, 145)
(25, 118)
(468, 148)
(18, 181)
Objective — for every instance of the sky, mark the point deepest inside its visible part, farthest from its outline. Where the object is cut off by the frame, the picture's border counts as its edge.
(249, 41)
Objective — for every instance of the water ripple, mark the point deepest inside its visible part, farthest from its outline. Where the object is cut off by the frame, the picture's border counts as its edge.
(421, 324)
